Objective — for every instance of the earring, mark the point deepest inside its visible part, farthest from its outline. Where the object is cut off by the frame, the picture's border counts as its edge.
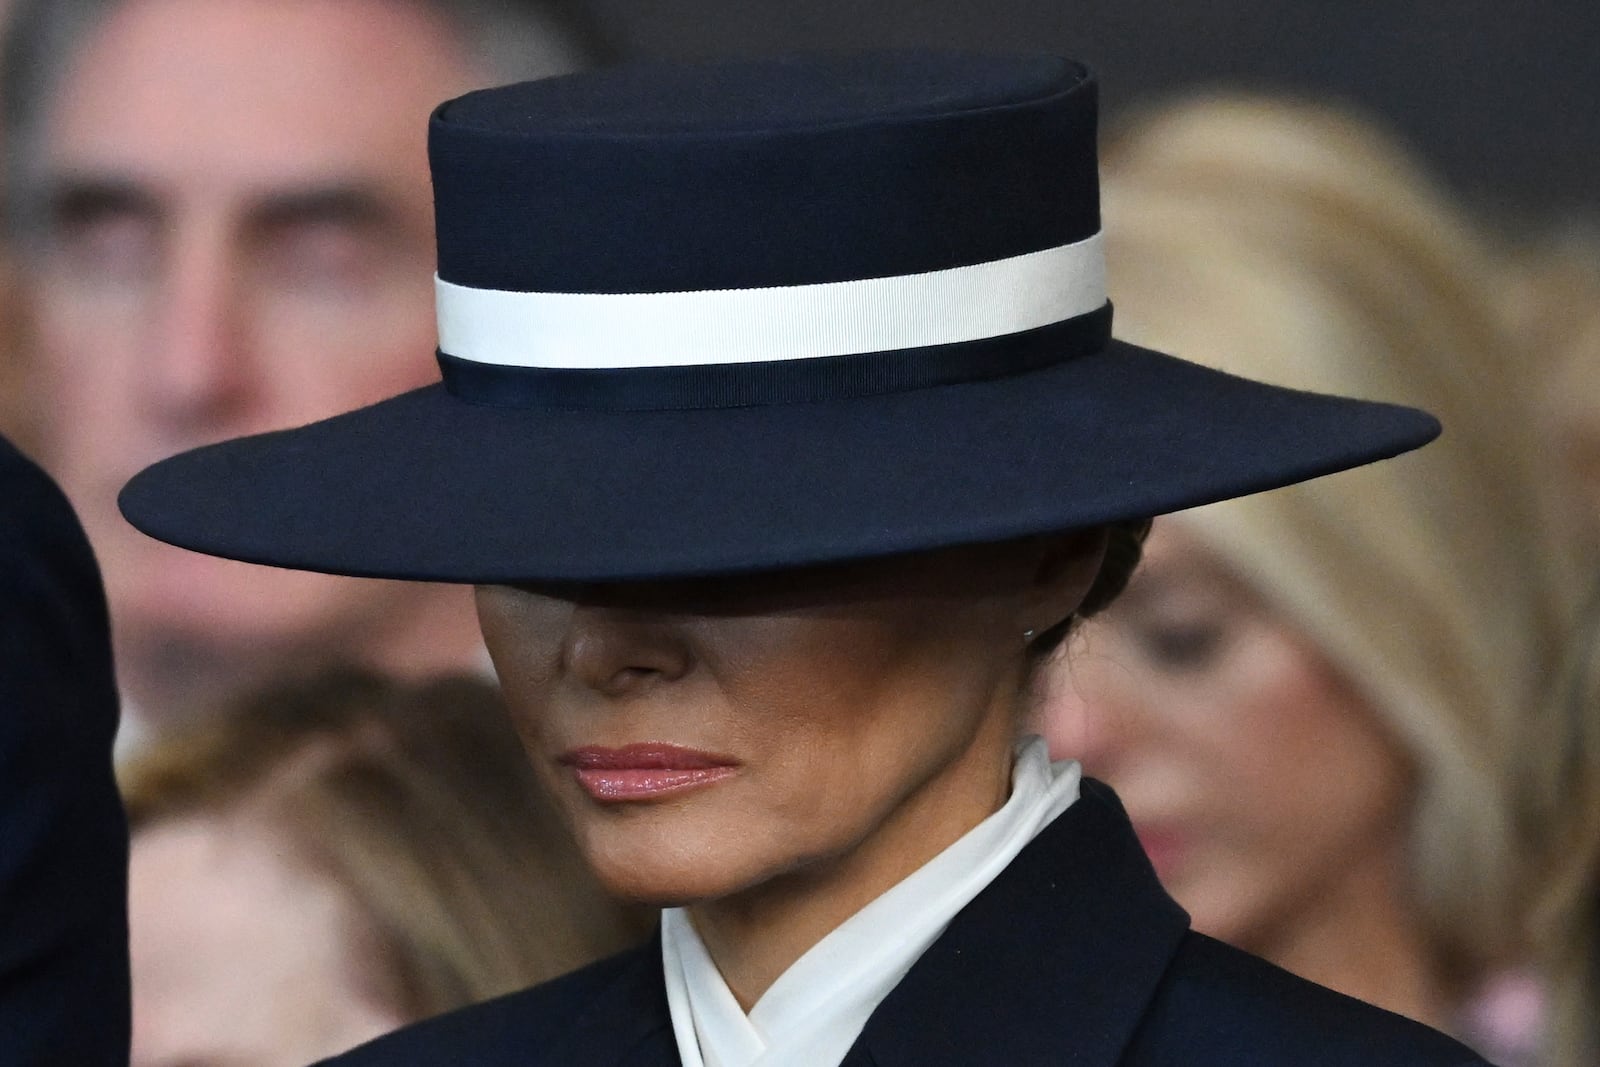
(1027, 636)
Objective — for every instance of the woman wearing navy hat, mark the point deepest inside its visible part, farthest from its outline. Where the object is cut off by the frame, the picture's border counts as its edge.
(782, 433)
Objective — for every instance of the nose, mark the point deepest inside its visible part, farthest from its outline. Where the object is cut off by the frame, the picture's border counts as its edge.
(621, 653)
(1093, 710)
(198, 374)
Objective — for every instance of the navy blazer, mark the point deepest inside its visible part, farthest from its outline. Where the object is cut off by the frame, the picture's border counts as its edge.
(63, 840)
(1074, 955)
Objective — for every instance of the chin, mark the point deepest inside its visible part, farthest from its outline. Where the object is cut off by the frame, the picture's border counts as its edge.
(659, 867)
(663, 885)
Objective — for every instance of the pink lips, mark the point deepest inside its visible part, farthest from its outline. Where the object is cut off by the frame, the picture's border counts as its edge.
(645, 771)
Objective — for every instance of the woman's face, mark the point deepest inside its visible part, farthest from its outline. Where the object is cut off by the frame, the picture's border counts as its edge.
(239, 956)
(1260, 783)
(708, 736)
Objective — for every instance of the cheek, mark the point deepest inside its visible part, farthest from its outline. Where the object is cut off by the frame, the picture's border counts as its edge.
(523, 636)
(848, 692)
(1306, 748)
(331, 352)
(388, 312)
(87, 359)
(1304, 786)
(848, 731)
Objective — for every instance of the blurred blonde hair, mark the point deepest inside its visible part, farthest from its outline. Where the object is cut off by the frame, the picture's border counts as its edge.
(1556, 299)
(1568, 917)
(1292, 243)
(417, 801)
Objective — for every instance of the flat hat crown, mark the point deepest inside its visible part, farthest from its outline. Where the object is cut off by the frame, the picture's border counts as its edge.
(673, 178)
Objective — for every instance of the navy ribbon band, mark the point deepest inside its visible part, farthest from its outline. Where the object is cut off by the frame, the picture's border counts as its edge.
(797, 381)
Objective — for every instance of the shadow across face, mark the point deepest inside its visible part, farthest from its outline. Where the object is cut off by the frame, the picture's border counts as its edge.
(708, 736)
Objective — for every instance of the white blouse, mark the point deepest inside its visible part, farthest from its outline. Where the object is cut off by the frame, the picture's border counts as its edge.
(816, 1009)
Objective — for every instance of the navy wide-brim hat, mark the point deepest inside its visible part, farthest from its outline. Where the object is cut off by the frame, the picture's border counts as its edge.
(708, 319)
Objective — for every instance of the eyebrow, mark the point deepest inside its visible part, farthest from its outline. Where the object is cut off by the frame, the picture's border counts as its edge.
(75, 199)
(352, 204)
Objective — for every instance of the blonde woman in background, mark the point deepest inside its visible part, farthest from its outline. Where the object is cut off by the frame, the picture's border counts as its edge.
(1559, 295)
(333, 858)
(1571, 909)
(1556, 297)
(1320, 703)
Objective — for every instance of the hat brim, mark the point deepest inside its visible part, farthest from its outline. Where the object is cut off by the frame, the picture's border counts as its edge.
(425, 486)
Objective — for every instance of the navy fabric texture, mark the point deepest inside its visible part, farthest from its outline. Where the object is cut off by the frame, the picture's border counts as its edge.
(757, 173)
(795, 173)
(428, 487)
(63, 840)
(730, 385)
(1074, 955)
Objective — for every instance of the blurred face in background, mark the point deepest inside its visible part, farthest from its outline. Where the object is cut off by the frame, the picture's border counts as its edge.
(1262, 786)
(240, 240)
(240, 956)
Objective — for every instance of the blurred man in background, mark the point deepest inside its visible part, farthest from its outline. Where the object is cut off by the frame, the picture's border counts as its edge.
(224, 213)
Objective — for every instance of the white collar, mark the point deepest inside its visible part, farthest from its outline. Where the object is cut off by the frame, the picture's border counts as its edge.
(816, 1009)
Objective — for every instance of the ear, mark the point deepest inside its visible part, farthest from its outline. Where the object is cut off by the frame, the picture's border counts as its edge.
(1067, 566)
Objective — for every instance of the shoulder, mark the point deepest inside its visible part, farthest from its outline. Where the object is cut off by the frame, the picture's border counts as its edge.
(34, 506)
(1244, 1012)
(43, 550)
(22, 477)
(54, 630)
(63, 840)
(518, 1028)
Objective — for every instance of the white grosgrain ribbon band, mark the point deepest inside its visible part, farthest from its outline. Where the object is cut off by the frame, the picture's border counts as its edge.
(594, 331)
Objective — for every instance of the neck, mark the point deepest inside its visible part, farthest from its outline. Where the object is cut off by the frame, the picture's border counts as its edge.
(756, 935)
(1363, 939)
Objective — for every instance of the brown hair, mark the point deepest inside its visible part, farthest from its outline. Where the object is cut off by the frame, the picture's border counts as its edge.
(1124, 546)
(417, 801)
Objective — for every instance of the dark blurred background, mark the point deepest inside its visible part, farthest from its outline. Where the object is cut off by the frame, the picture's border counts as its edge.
(1504, 98)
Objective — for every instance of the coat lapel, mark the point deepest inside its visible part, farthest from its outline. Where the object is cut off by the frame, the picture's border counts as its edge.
(627, 1025)
(1054, 963)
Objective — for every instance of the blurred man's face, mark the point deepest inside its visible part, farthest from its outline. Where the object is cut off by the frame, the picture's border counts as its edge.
(241, 241)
